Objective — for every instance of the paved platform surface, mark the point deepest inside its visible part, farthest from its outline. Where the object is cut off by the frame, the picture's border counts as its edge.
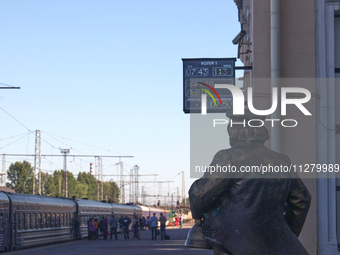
(121, 246)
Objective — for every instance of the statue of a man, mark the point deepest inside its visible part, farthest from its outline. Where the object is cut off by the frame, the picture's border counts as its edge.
(244, 215)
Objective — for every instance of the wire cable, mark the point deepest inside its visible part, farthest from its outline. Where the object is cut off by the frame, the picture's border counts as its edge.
(15, 119)
(123, 154)
(14, 141)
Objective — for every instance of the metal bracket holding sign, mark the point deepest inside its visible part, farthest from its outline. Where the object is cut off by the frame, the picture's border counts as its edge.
(200, 75)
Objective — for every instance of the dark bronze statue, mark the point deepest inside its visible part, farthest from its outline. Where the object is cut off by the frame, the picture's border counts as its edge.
(243, 215)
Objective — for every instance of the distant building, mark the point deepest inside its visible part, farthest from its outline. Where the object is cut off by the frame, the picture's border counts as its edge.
(5, 189)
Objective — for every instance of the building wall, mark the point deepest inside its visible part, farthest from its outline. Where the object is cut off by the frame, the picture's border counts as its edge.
(297, 61)
(327, 145)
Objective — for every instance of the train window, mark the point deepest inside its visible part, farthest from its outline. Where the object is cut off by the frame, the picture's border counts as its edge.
(61, 220)
(43, 220)
(71, 219)
(53, 220)
(33, 220)
(28, 221)
(57, 220)
(37, 221)
(48, 220)
(22, 221)
(1, 220)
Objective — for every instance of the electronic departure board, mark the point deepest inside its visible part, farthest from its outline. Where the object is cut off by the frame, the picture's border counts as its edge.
(200, 75)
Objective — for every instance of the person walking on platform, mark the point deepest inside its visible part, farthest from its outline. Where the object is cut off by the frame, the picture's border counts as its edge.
(96, 229)
(105, 227)
(154, 224)
(162, 220)
(113, 223)
(126, 224)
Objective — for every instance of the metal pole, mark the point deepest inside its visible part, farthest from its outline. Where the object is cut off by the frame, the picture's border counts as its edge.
(136, 184)
(4, 174)
(143, 202)
(122, 182)
(275, 71)
(101, 177)
(97, 174)
(183, 188)
(131, 186)
(37, 159)
(65, 152)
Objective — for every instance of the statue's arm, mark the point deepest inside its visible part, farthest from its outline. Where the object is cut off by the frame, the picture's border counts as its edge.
(205, 193)
(297, 205)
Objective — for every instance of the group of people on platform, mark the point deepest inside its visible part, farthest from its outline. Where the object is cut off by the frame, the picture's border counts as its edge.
(177, 220)
(100, 228)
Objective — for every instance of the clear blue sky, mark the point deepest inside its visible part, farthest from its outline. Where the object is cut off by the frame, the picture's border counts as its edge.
(108, 74)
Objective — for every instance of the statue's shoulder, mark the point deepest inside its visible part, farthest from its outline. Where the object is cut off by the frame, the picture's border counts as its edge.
(223, 155)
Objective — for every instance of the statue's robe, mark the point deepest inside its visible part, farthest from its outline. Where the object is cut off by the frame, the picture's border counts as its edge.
(243, 215)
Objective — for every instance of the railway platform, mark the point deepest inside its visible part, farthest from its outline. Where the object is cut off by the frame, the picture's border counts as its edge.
(174, 246)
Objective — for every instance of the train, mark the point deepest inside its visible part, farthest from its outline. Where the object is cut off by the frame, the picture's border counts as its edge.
(32, 220)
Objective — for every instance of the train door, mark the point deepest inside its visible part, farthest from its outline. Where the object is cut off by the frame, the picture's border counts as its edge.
(2, 228)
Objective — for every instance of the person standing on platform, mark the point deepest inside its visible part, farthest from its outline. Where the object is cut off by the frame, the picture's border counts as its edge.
(113, 223)
(105, 227)
(126, 227)
(135, 228)
(162, 220)
(154, 224)
(121, 223)
(91, 229)
(77, 229)
(100, 226)
(147, 223)
(96, 229)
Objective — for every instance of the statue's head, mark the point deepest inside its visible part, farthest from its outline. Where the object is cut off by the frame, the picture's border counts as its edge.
(242, 132)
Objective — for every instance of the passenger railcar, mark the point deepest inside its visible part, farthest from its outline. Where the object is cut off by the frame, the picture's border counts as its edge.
(120, 210)
(86, 209)
(4, 222)
(37, 220)
(145, 211)
(32, 220)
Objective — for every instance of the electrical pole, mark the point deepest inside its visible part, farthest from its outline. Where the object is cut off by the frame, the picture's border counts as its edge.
(96, 174)
(59, 184)
(37, 159)
(3, 174)
(136, 167)
(122, 188)
(131, 186)
(172, 201)
(100, 163)
(143, 202)
(178, 199)
(65, 152)
(183, 188)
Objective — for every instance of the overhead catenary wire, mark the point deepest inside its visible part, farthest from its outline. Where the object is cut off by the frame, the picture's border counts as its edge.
(16, 140)
(87, 144)
(15, 136)
(15, 119)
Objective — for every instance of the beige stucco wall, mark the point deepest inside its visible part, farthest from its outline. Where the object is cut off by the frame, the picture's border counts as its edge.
(297, 61)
